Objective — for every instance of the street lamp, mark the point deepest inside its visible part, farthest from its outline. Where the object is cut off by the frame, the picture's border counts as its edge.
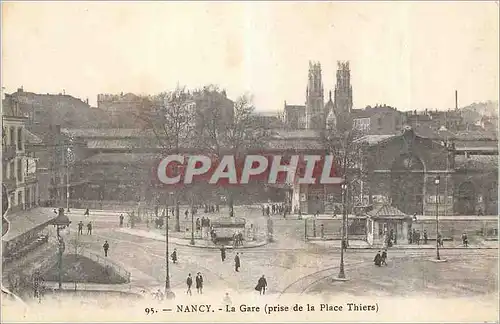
(341, 272)
(436, 182)
(192, 222)
(60, 222)
(69, 161)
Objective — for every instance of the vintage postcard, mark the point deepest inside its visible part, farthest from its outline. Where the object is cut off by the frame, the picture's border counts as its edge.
(250, 161)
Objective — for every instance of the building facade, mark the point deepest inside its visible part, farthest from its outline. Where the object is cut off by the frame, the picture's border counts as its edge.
(19, 168)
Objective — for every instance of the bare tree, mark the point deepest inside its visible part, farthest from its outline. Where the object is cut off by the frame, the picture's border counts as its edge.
(170, 117)
(347, 148)
(219, 135)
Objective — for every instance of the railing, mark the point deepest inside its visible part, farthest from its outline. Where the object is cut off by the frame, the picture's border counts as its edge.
(104, 261)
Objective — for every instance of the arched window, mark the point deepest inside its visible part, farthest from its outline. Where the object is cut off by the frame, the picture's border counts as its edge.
(407, 184)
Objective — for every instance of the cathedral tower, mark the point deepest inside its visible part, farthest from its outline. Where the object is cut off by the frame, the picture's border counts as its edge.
(315, 118)
(343, 95)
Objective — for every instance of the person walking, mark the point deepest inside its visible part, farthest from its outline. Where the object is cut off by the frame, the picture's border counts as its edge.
(186, 213)
(174, 256)
(106, 248)
(199, 283)
(80, 228)
(465, 239)
(426, 237)
(189, 283)
(87, 213)
(383, 258)
(322, 231)
(237, 263)
(378, 259)
(89, 228)
(227, 300)
(261, 285)
(223, 253)
(121, 220)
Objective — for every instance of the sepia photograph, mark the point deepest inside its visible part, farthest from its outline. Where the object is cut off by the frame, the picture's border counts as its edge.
(247, 161)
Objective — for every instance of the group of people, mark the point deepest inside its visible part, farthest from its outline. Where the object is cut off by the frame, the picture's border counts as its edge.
(199, 284)
(80, 228)
(414, 237)
(204, 226)
(275, 209)
(381, 258)
(237, 239)
(211, 208)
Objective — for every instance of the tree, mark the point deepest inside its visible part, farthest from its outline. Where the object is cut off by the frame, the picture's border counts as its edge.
(347, 148)
(170, 117)
(219, 135)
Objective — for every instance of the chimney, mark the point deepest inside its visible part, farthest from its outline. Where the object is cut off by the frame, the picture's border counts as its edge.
(456, 100)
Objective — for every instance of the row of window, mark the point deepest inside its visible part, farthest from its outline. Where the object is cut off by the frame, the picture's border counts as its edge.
(15, 137)
(14, 170)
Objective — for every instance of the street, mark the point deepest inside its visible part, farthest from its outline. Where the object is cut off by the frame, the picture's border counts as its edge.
(293, 266)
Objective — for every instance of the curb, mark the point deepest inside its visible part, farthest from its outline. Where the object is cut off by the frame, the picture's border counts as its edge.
(418, 249)
(227, 247)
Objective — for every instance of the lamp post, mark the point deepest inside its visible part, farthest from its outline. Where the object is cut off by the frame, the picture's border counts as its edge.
(192, 219)
(436, 182)
(60, 222)
(341, 272)
(69, 161)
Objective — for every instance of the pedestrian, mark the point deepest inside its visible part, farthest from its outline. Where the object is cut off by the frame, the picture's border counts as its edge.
(121, 220)
(322, 231)
(378, 259)
(300, 214)
(174, 256)
(189, 283)
(80, 228)
(227, 300)
(106, 248)
(465, 239)
(186, 213)
(383, 258)
(223, 253)
(237, 263)
(261, 285)
(426, 237)
(89, 228)
(159, 295)
(199, 283)
(418, 237)
(87, 213)
(439, 240)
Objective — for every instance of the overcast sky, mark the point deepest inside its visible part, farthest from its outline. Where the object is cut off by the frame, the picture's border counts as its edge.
(408, 55)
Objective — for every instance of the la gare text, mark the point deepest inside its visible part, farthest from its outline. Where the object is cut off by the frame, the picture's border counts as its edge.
(278, 308)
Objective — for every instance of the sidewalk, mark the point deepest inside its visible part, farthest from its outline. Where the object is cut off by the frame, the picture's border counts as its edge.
(360, 245)
(199, 243)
